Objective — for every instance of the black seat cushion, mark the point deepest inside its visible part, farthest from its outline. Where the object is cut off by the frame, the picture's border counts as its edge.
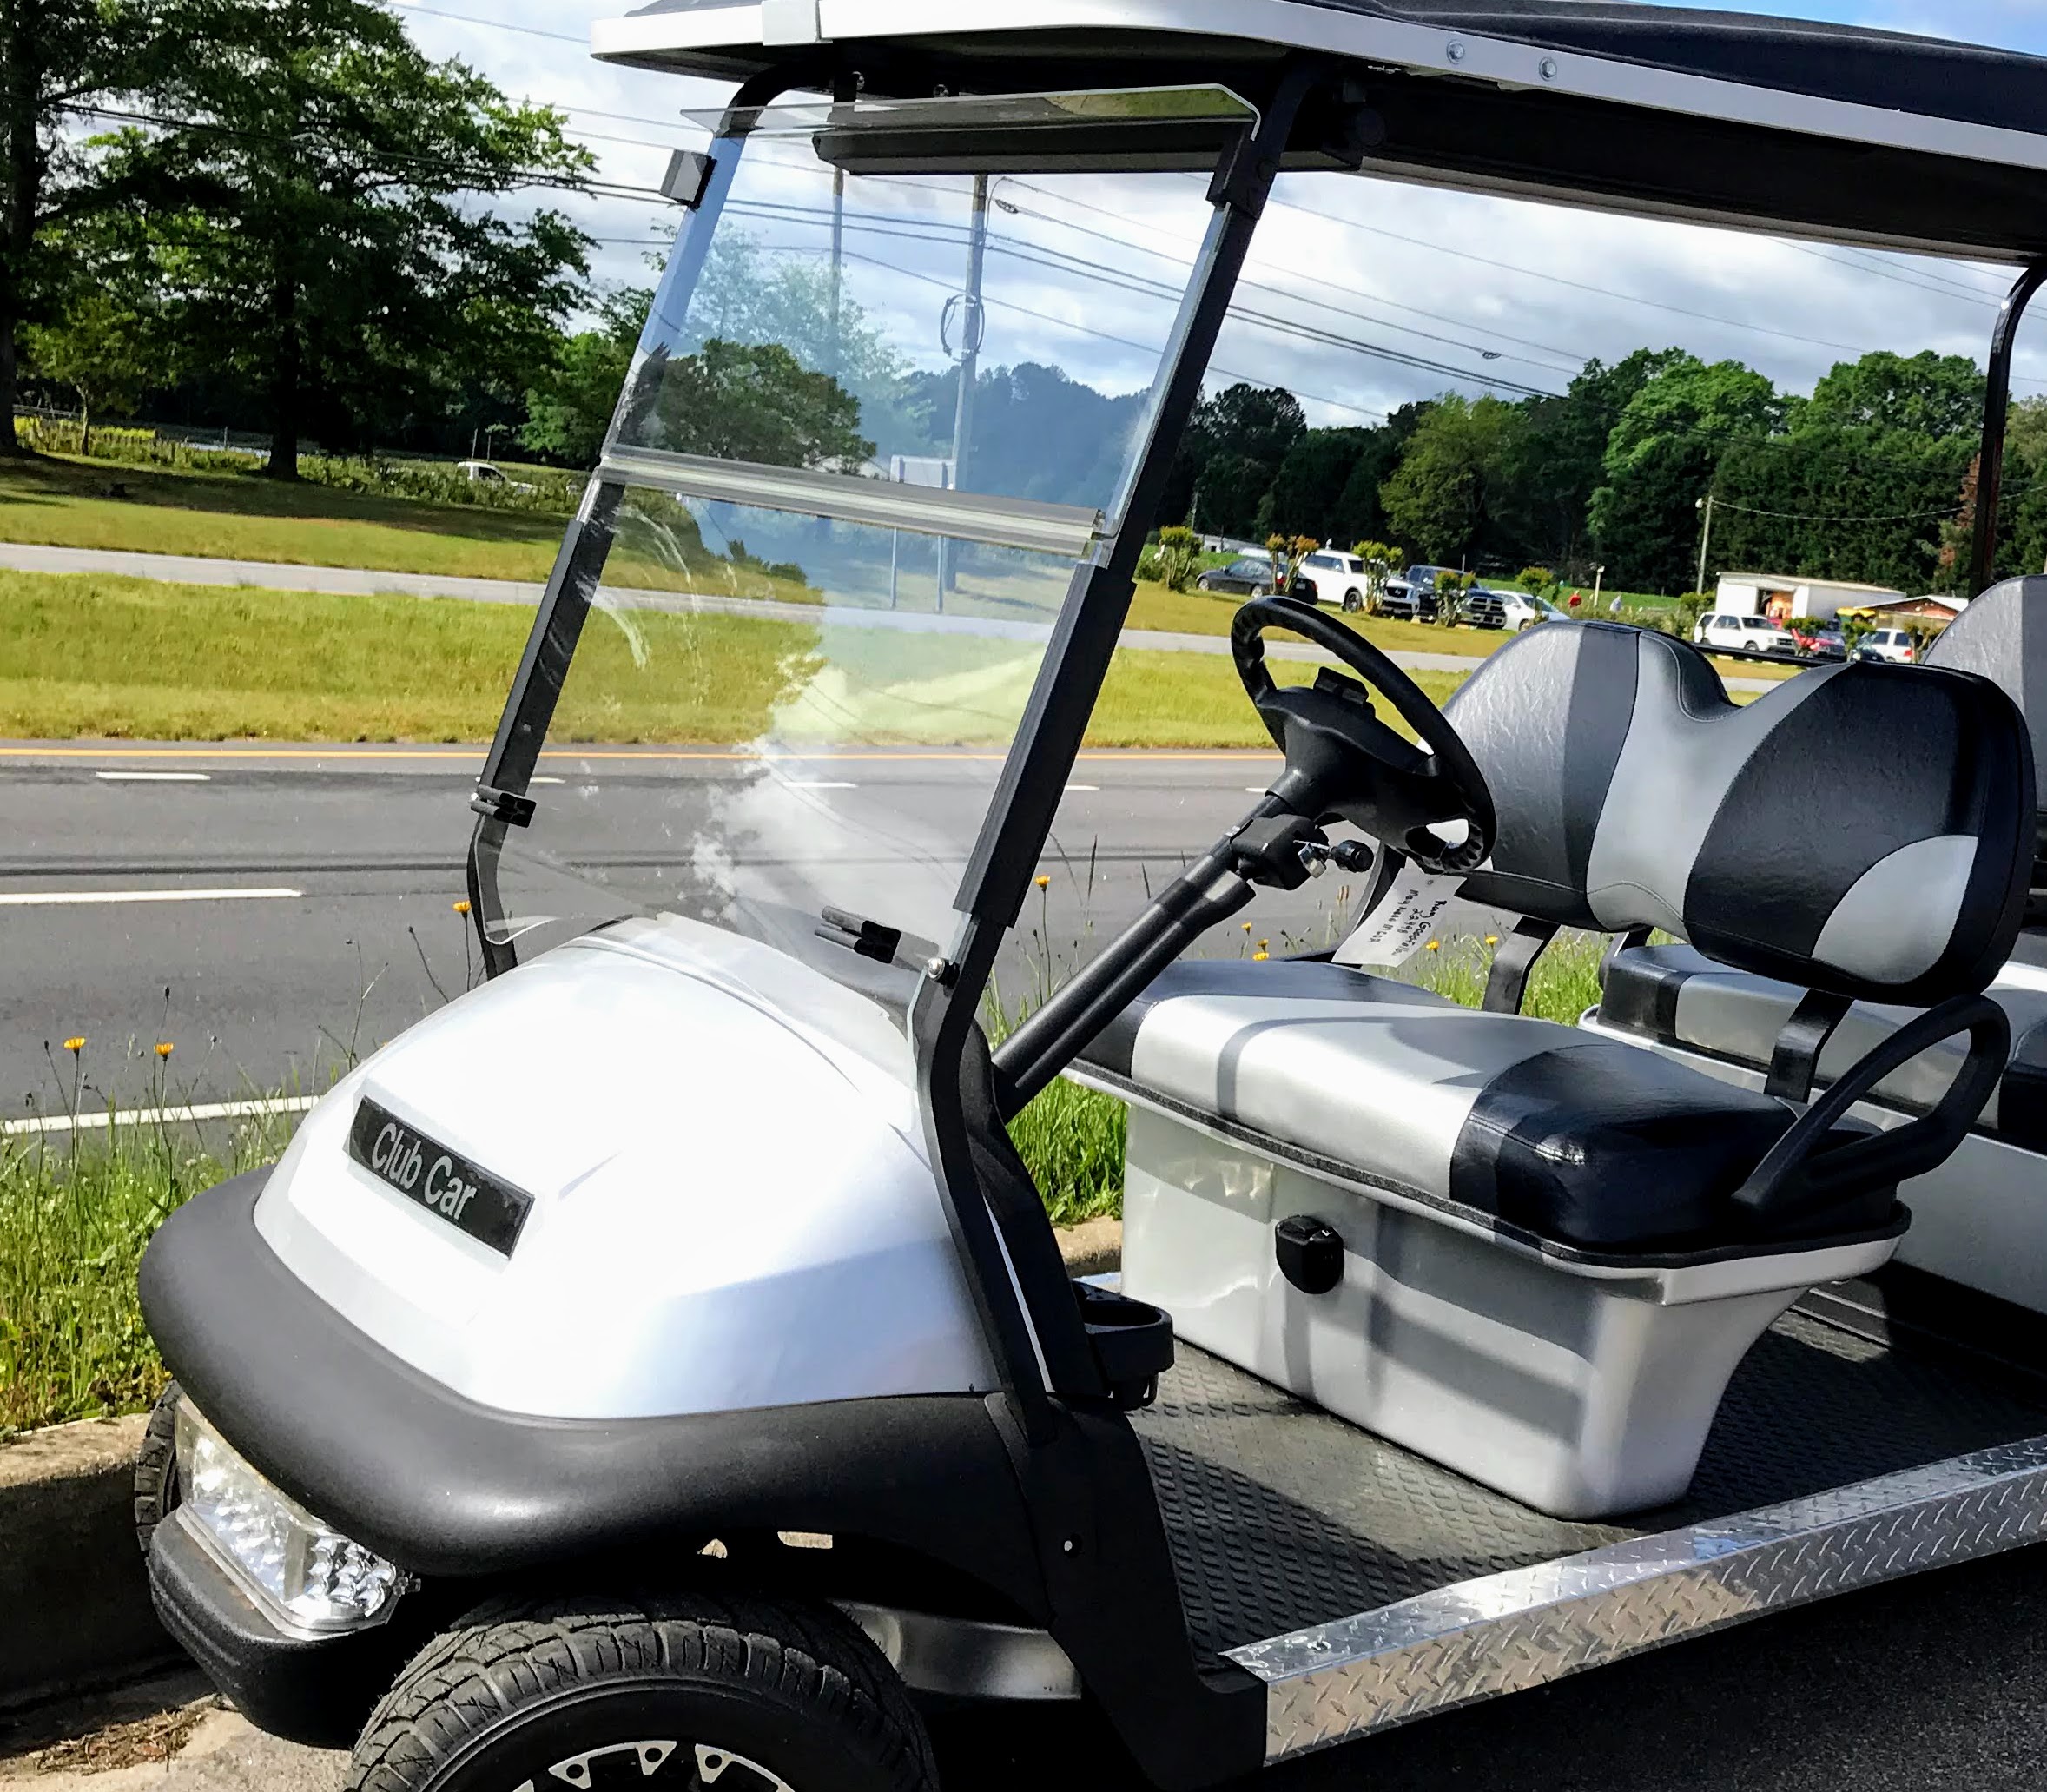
(1584, 1142)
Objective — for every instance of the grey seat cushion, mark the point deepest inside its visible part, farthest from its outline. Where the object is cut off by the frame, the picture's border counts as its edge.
(1678, 996)
(1586, 1142)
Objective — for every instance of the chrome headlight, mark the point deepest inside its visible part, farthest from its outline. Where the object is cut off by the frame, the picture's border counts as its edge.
(304, 1572)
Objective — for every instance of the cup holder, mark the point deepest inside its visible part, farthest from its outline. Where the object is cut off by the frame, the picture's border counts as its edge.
(1132, 1343)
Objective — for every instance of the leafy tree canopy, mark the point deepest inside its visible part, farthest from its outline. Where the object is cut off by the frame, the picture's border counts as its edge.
(317, 200)
(1445, 496)
(1924, 394)
(740, 402)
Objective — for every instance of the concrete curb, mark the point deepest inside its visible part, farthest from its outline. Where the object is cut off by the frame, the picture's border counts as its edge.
(74, 1610)
(1093, 1247)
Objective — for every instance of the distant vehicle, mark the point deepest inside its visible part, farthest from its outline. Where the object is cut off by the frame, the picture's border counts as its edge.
(1894, 645)
(1822, 641)
(1744, 634)
(1485, 607)
(1243, 577)
(1412, 597)
(488, 472)
(1519, 611)
(1331, 578)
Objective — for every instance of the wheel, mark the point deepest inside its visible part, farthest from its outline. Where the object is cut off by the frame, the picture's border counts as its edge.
(157, 1468)
(683, 1691)
(1353, 600)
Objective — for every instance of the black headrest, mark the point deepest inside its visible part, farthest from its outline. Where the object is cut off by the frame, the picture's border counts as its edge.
(1866, 829)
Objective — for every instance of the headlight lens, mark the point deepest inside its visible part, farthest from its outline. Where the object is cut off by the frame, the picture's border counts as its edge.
(305, 1572)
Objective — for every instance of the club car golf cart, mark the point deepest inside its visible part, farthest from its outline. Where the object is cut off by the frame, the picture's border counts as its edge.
(657, 1366)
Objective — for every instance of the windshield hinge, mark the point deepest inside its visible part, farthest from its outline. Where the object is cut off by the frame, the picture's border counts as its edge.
(502, 806)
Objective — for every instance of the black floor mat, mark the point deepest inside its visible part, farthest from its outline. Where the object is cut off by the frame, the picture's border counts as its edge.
(1281, 1516)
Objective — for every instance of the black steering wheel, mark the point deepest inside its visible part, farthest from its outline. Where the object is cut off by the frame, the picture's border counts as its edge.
(1342, 760)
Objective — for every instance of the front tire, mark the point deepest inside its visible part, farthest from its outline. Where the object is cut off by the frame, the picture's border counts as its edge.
(682, 1692)
(157, 1468)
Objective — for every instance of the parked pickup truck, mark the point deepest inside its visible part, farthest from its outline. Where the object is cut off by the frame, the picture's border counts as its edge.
(1412, 596)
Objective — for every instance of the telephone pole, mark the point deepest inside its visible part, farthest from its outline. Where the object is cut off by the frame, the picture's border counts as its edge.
(1705, 539)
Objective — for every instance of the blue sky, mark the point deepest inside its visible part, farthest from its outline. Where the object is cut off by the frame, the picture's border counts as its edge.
(1561, 285)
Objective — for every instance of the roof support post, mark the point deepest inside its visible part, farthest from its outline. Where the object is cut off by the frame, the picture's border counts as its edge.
(1996, 407)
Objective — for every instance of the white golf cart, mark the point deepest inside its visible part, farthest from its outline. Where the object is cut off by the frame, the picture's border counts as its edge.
(657, 1366)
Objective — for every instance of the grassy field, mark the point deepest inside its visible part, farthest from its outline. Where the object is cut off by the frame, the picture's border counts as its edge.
(81, 655)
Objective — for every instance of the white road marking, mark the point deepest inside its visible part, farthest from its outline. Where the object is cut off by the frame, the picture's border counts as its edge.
(155, 778)
(530, 780)
(1091, 789)
(161, 1117)
(821, 784)
(59, 899)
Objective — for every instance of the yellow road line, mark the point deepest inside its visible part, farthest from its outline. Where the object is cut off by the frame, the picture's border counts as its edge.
(1101, 756)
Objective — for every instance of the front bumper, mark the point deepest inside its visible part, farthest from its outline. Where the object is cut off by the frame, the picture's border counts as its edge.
(316, 1690)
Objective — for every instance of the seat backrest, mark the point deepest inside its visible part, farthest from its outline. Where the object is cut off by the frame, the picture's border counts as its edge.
(2002, 637)
(1864, 829)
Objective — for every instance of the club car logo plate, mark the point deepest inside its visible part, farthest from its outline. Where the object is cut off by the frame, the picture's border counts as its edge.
(470, 1200)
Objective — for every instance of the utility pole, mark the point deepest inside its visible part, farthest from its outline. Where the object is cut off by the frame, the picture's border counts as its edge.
(838, 262)
(971, 330)
(1705, 539)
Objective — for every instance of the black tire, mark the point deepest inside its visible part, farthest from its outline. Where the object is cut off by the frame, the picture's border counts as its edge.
(157, 1468)
(1353, 601)
(788, 1697)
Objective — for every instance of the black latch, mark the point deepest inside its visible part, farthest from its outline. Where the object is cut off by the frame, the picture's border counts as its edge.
(1310, 1253)
(868, 938)
(502, 806)
(1278, 850)
(688, 177)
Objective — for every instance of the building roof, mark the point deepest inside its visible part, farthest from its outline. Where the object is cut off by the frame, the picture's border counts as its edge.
(1834, 132)
(1808, 581)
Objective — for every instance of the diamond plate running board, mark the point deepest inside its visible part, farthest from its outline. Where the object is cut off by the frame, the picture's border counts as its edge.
(1506, 1632)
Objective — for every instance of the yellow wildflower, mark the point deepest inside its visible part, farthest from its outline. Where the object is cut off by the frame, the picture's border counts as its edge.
(75, 1043)
(461, 908)
(1259, 957)
(164, 1047)
(1436, 945)
(1492, 939)
(1042, 882)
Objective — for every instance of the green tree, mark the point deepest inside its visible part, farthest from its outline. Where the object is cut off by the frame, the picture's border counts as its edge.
(1382, 560)
(569, 406)
(1660, 461)
(1230, 455)
(107, 347)
(1445, 494)
(1309, 484)
(1925, 394)
(733, 402)
(1359, 512)
(55, 56)
(320, 209)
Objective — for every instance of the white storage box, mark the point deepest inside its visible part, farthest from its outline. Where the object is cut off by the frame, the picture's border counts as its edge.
(1580, 1388)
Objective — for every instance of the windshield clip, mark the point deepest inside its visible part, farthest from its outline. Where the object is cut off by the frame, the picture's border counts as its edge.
(687, 178)
(857, 934)
(502, 806)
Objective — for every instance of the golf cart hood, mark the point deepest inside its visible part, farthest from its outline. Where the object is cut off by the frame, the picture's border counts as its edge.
(729, 1206)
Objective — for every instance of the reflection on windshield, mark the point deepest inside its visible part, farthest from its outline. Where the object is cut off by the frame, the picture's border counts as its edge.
(942, 331)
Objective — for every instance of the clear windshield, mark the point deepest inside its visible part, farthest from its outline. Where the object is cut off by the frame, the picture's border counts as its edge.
(876, 419)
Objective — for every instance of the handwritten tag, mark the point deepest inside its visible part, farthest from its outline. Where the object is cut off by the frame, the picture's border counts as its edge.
(1403, 922)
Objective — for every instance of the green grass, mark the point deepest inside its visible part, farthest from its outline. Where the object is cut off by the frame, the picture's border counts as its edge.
(74, 1220)
(85, 655)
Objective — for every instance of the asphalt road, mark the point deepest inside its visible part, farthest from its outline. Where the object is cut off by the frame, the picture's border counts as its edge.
(270, 912)
(1933, 1684)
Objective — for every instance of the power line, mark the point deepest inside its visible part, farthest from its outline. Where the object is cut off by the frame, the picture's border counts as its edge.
(1795, 516)
(492, 25)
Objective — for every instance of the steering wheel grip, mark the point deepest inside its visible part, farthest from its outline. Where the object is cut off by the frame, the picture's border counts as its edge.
(1449, 765)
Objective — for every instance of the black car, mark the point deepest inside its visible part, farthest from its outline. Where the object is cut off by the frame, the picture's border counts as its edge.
(1243, 578)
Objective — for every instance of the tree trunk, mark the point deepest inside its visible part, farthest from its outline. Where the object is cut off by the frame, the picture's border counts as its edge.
(10, 443)
(85, 427)
(284, 381)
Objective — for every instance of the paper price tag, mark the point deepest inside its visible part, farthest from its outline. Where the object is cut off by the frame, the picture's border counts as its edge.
(1403, 922)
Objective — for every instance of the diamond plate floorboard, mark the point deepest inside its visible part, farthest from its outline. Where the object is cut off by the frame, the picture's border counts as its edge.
(1281, 1516)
